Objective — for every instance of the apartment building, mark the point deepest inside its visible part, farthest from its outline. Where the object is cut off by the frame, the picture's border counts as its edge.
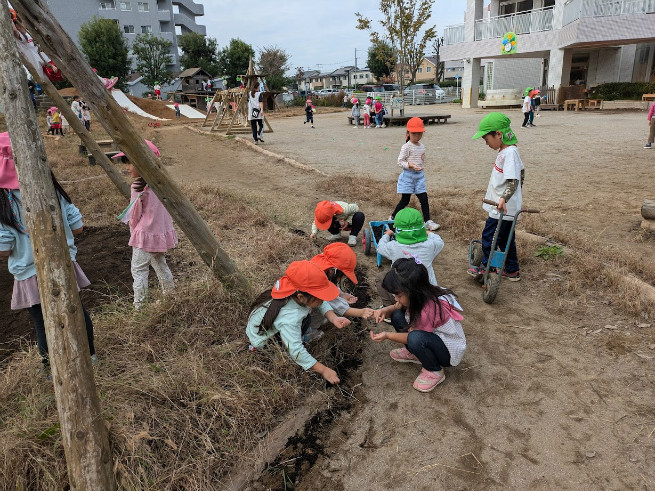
(558, 43)
(163, 18)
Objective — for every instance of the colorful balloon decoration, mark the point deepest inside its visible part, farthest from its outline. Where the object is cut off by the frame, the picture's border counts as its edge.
(509, 44)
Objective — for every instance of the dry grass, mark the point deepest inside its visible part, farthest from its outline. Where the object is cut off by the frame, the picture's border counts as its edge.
(183, 397)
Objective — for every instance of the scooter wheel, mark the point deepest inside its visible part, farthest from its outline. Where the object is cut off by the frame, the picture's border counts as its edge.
(366, 241)
(490, 288)
(476, 254)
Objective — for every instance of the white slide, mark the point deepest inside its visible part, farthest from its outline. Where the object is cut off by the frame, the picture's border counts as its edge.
(188, 111)
(123, 101)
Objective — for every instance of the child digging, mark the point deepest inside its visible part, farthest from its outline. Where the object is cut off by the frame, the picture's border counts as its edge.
(505, 188)
(338, 216)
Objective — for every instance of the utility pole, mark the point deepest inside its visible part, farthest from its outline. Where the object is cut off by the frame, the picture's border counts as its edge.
(83, 431)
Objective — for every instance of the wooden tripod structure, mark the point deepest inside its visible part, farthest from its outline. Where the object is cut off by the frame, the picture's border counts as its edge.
(234, 102)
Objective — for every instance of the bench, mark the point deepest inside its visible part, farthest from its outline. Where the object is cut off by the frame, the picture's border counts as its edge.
(593, 103)
(648, 97)
(574, 104)
(402, 120)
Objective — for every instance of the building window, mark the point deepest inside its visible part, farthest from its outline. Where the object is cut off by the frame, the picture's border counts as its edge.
(178, 30)
(144, 7)
(107, 5)
(126, 5)
(420, 69)
(146, 29)
(428, 69)
(128, 29)
(176, 8)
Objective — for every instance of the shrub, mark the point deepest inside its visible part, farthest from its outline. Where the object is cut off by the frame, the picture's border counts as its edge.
(622, 90)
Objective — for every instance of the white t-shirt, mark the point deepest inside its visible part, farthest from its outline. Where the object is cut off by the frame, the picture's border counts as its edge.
(526, 104)
(253, 103)
(508, 166)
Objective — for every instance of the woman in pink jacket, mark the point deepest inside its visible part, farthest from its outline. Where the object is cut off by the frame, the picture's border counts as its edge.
(151, 234)
(651, 123)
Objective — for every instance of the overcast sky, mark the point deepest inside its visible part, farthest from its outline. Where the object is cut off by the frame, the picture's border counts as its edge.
(319, 35)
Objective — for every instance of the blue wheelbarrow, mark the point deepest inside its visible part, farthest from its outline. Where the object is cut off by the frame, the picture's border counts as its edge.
(491, 276)
(368, 238)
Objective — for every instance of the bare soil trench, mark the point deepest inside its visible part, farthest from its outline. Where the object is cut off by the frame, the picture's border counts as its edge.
(556, 389)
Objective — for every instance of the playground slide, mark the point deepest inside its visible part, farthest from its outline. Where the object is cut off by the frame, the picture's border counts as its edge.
(123, 101)
(188, 111)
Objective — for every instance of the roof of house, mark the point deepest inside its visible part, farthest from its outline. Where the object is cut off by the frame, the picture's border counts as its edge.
(192, 72)
(432, 59)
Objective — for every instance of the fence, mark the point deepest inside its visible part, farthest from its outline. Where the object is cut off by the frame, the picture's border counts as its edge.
(453, 34)
(577, 9)
(536, 20)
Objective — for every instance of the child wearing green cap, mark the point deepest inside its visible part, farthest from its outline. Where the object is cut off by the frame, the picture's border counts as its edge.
(412, 240)
(505, 188)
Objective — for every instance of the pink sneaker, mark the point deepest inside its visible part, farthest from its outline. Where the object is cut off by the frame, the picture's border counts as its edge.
(403, 356)
(426, 380)
(110, 82)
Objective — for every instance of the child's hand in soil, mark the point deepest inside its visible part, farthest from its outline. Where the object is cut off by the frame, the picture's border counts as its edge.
(312, 236)
(330, 375)
(341, 322)
(351, 299)
(367, 313)
(379, 315)
(377, 337)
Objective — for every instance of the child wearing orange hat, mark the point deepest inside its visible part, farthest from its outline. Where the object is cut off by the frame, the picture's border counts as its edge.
(283, 310)
(412, 179)
(338, 260)
(338, 216)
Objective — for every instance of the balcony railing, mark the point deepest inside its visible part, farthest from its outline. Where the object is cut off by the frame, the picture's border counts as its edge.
(536, 20)
(453, 34)
(576, 9)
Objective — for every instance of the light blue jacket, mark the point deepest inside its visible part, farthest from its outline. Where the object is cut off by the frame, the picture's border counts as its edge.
(289, 324)
(21, 260)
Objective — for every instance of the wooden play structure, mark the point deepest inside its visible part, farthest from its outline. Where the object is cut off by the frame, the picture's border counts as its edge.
(231, 107)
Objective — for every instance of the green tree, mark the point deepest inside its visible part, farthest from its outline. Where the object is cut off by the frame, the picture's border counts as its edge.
(273, 63)
(234, 60)
(402, 23)
(199, 51)
(152, 55)
(105, 48)
(381, 60)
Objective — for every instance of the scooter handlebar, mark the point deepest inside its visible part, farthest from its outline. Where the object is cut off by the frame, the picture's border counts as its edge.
(525, 210)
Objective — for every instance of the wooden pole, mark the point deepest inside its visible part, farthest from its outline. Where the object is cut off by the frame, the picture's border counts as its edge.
(78, 127)
(54, 41)
(83, 431)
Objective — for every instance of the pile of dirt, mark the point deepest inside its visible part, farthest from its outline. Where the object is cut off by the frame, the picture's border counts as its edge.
(156, 108)
(105, 259)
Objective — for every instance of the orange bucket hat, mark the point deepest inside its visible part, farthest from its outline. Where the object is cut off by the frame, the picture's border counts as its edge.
(305, 277)
(324, 212)
(415, 125)
(337, 255)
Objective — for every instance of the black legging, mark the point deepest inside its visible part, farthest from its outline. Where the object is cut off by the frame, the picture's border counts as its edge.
(39, 326)
(255, 132)
(356, 224)
(526, 118)
(422, 198)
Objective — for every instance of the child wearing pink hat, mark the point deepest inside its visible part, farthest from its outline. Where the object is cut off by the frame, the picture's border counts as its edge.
(309, 112)
(151, 234)
(367, 113)
(15, 245)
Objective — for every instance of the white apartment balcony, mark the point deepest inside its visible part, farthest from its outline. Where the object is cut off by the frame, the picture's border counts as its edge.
(578, 9)
(453, 34)
(537, 20)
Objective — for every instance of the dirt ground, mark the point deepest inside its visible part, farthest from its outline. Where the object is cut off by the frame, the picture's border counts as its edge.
(555, 390)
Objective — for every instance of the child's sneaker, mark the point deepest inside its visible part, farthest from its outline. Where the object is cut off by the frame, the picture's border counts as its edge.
(515, 276)
(475, 271)
(352, 240)
(334, 237)
(647, 145)
(427, 380)
(430, 225)
(403, 356)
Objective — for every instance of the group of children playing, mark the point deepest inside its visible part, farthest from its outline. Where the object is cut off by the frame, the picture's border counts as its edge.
(531, 107)
(426, 317)
(372, 110)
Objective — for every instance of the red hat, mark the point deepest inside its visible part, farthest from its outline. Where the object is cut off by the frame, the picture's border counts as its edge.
(324, 212)
(152, 146)
(8, 175)
(305, 277)
(415, 125)
(337, 255)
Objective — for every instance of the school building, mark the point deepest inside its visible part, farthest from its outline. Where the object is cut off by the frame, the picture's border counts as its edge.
(163, 18)
(557, 43)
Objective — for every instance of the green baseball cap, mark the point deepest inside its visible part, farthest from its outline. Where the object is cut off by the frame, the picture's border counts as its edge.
(527, 91)
(497, 122)
(409, 225)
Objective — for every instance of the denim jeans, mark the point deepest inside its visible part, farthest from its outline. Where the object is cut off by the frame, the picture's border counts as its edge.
(379, 119)
(426, 346)
(357, 222)
(512, 262)
(39, 326)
